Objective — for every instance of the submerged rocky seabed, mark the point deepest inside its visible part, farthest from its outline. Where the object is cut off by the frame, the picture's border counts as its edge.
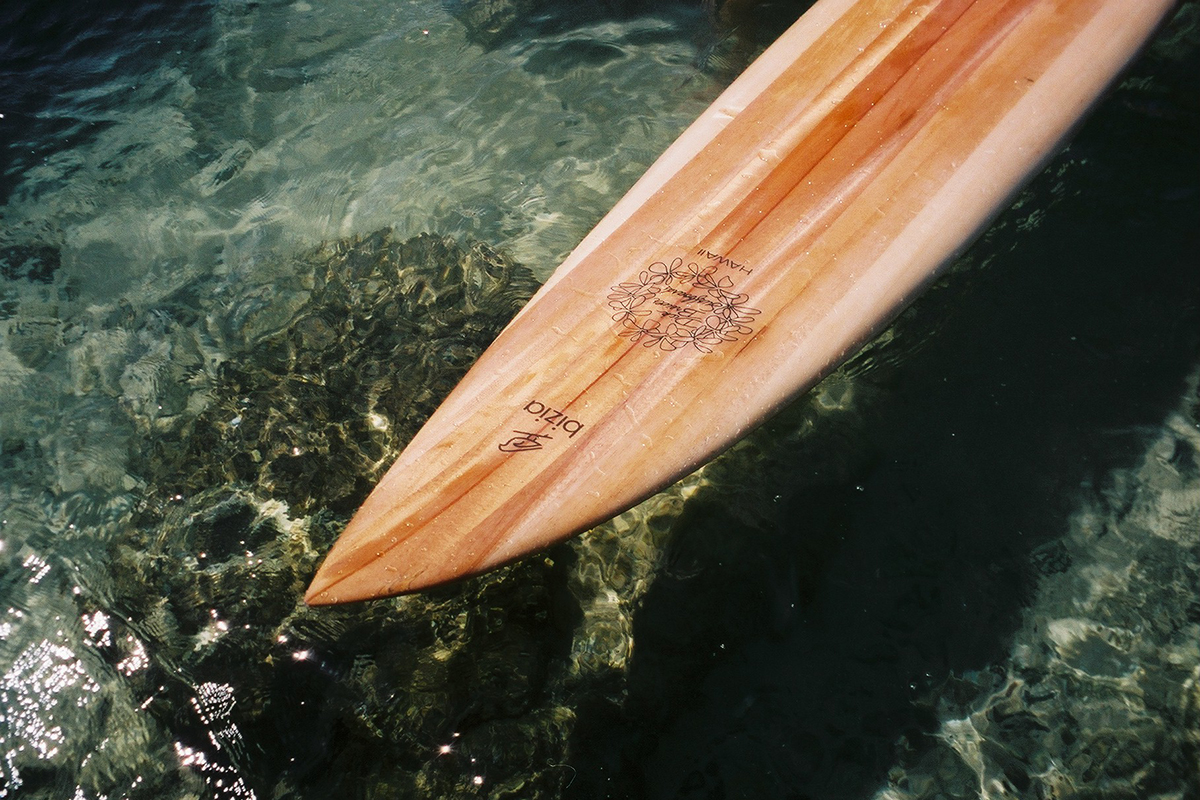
(155, 644)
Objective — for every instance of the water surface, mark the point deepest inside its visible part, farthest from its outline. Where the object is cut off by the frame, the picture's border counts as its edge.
(965, 565)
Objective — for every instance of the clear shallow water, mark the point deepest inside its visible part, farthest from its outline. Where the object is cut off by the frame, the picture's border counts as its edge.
(965, 562)
(296, 123)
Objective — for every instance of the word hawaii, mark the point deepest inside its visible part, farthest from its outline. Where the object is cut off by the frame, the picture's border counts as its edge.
(723, 260)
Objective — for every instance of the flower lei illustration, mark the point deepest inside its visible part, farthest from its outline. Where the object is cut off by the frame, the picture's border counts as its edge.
(677, 305)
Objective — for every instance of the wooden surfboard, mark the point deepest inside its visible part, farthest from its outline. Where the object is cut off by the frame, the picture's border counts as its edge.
(783, 229)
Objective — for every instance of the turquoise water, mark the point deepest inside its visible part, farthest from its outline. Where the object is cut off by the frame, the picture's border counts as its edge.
(965, 565)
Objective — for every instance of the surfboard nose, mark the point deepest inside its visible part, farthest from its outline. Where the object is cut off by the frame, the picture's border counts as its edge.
(320, 592)
(338, 581)
(347, 577)
(381, 554)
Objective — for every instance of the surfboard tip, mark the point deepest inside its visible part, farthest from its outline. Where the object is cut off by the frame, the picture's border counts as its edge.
(350, 575)
(320, 590)
(338, 581)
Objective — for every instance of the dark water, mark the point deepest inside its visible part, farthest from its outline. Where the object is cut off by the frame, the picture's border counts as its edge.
(52, 51)
(966, 565)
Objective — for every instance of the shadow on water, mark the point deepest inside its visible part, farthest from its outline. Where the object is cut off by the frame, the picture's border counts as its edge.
(716, 23)
(882, 536)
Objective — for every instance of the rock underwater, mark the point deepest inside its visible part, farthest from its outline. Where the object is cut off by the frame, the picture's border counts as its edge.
(251, 418)
(168, 523)
(228, 432)
(327, 373)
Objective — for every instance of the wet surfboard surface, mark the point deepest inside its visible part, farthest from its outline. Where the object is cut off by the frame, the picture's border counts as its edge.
(785, 227)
